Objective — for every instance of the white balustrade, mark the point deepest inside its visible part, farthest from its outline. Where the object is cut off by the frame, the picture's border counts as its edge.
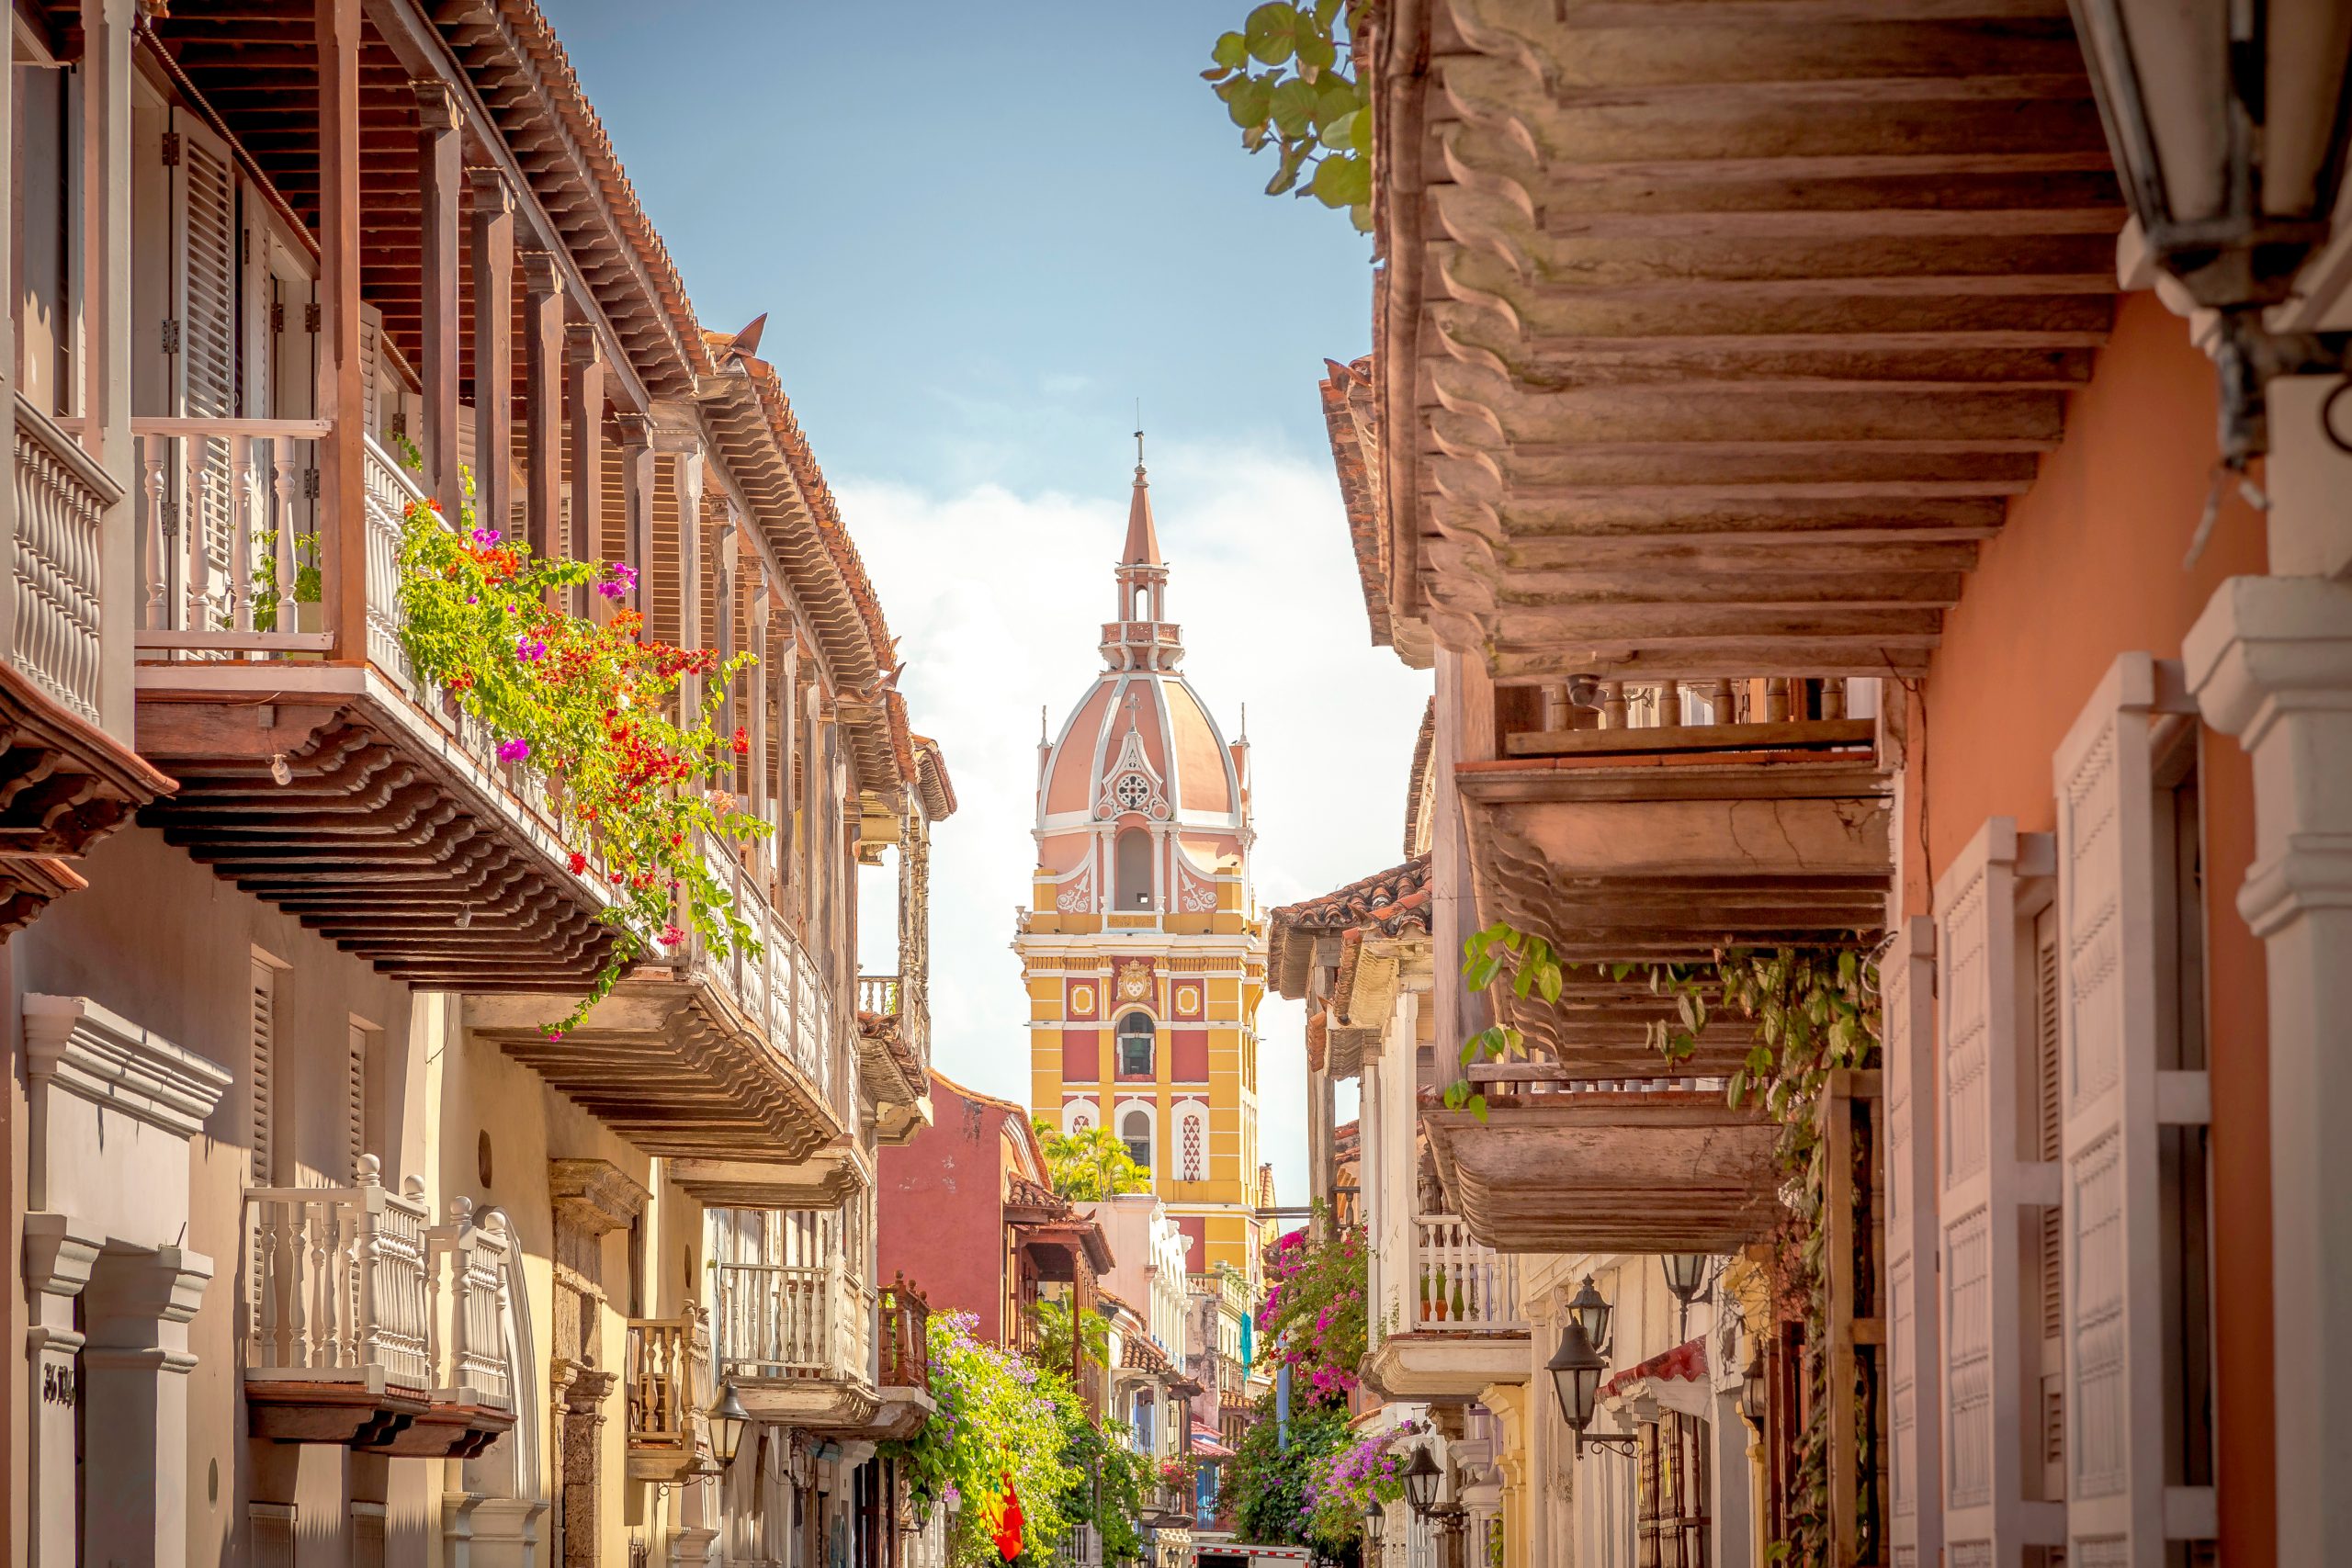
(352, 1284)
(390, 489)
(1462, 1286)
(62, 499)
(222, 504)
(787, 1320)
(778, 988)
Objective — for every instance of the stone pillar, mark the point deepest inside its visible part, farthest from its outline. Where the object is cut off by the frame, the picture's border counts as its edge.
(440, 179)
(579, 1437)
(135, 1366)
(543, 402)
(1543, 1426)
(58, 1261)
(592, 1197)
(493, 277)
(2270, 662)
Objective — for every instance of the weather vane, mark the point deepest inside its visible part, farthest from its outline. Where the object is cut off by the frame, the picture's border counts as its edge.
(1138, 435)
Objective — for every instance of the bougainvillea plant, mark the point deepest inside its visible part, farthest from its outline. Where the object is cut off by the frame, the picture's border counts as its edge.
(591, 706)
(1371, 1469)
(1314, 1312)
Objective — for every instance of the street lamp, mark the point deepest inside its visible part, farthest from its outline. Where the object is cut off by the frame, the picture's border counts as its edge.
(1422, 1478)
(2228, 125)
(1686, 1274)
(728, 1419)
(1752, 1388)
(1375, 1517)
(1576, 1368)
(1588, 1309)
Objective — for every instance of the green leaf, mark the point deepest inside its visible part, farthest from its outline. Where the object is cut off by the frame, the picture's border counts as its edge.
(1550, 983)
(1292, 107)
(1314, 49)
(1736, 1089)
(1286, 174)
(1247, 104)
(1478, 1108)
(1231, 51)
(1271, 32)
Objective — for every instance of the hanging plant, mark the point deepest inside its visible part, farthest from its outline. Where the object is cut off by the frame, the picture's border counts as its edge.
(590, 706)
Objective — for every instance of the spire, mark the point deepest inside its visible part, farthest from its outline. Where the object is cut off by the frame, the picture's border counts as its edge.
(1142, 539)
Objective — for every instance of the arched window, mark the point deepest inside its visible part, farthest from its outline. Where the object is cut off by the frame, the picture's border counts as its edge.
(1133, 858)
(1135, 1130)
(1193, 1155)
(1134, 1045)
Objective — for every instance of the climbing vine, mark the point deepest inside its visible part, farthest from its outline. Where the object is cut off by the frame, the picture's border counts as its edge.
(589, 706)
(1811, 1011)
(1287, 79)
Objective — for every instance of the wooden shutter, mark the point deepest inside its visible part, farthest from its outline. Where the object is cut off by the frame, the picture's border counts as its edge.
(371, 372)
(200, 338)
(2050, 1284)
(355, 1097)
(262, 1127)
(1907, 981)
(1976, 958)
(2114, 1396)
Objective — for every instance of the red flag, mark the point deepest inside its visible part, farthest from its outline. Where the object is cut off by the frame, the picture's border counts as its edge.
(1008, 1529)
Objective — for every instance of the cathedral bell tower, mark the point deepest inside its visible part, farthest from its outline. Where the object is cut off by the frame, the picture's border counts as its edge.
(1141, 949)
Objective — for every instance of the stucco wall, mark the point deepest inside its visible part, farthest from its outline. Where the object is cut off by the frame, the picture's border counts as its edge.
(2088, 566)
(942, 1208)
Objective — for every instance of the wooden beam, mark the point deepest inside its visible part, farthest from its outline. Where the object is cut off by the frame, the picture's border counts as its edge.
(583, 366)
(340, 397)
(439, 164)
(636, 494)
(493, 284)
(542, 401)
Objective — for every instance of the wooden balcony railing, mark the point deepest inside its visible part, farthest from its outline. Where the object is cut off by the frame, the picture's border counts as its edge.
(221, 504)
(668, 1380)
(906, 1337)
(877, 994)
(354, 1285)
(1727, 714)
(781, 987)
(1461, 1287)
(61, 497)
(787, 1321)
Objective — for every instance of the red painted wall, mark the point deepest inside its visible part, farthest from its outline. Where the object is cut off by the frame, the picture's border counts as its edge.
(941, 1206)
(1081, 1055)
(2088, 566)
(1188, 1056)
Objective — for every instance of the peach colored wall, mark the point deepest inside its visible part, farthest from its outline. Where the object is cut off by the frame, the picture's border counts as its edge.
(2087, 566)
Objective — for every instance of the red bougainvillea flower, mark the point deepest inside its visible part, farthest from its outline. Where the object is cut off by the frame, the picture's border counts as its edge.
(577, 862)
(743, 741)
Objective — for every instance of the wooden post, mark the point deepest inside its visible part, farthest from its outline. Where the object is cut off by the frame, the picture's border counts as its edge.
(1853, 1214)
(440, 146)
(787, 725)
(494, 258)
(583, 367)
(636, 494)
(756, 686)
(722, 583)
(690, 565)
(343, 493)
(542, 401)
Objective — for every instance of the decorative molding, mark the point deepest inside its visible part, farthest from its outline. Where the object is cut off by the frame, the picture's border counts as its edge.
(595, 1195)
(72, 1043)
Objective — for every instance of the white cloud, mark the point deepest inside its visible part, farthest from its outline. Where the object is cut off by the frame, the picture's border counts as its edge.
(998, 600)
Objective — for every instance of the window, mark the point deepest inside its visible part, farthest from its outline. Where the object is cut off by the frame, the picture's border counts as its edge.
(1133, 859)
(1132, 792)
(2182, 1150)
(1673, 1491)
(1136, 1034)
(1191, 1145)
(1135, 1130)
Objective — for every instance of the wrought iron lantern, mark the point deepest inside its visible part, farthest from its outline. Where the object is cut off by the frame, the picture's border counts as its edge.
(1421, 1479)
(1588, 1309)
(1686, 1275)
(1375, 1517)
(2228, 124)
(1752, 1388)
(1576, 1368)
(728, 1419)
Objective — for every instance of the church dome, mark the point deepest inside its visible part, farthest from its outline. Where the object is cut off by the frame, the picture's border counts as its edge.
(1140, 751)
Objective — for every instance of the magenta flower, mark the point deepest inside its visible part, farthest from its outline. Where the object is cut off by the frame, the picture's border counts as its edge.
(620, 578)
(514, 750)
(528, 647)
(485, 536)
(672, 934)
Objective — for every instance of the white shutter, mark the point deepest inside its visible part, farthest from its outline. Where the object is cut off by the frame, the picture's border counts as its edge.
(354, 1098)
(1906, 986)
(203, 332)
(1985, 1516)
(372, 370)
(2050, 1222)
(262, 1060)
(2108, 1017)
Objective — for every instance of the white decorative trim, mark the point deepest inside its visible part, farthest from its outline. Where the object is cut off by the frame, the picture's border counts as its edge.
(72, 1043)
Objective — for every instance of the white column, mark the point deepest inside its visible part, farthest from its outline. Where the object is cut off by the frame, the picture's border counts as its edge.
(2270, 662)
(135, 1366)
(58, 1259)
(1542, 1412)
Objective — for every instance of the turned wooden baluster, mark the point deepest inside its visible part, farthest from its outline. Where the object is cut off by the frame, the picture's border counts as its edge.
(282, 510)
(159, 609)
(194, 481)
(1556, 710)
(1776, 700)
(1669, 704)
(1833, 697)
(1612, 705)
(244, 488)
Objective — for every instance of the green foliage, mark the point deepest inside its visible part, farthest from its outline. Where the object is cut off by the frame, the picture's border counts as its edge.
(1316, 1316)
(1115, 1505)
(1089, 1166)
(996, 1416)
(307, 581)
(1272, 1491)
(590, 706)
(1051, 1347)
(1360, 1472)
(1287, 79)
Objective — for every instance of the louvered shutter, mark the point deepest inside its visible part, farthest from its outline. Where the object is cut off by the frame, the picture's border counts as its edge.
(2108, 1032)
(1907, 981)
(262, 1060)
(1978, 1061)
(371, 372)
(354, 1098)
(2050, 1284)
(203, 336)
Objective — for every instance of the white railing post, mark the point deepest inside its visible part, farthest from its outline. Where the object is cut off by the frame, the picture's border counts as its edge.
(159, 609)
(282, 515)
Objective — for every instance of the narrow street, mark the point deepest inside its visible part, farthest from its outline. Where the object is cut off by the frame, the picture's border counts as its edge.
(1680, 898)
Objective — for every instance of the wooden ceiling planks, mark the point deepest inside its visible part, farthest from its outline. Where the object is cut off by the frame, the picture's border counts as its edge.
(1676, 278)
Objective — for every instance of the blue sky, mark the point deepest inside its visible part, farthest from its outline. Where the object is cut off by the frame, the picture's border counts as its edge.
(981, 232)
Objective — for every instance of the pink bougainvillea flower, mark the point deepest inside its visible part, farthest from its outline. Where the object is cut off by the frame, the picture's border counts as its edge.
(514, 750)
(485, 536)
(672, 934)
(528, 647)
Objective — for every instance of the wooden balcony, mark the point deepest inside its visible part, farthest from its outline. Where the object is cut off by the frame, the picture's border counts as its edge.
(343, 790)
(65, 783)
(1649, 1168)
(738, 1059)
(1452, 1315)
(894, 1053)
(797, 1342)
(373, 1328)
(903, 1361)
(1720, 337)
(669, 1387)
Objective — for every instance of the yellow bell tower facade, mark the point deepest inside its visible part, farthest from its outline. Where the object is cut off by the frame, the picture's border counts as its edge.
(1141, 948)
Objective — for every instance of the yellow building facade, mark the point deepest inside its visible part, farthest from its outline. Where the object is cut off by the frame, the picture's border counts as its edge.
(1141, 948)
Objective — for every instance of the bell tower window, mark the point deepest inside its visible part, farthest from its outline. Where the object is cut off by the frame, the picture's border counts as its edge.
(1135, 1036)
(1134, 866)
(1134, 1131)
(1133, 791)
